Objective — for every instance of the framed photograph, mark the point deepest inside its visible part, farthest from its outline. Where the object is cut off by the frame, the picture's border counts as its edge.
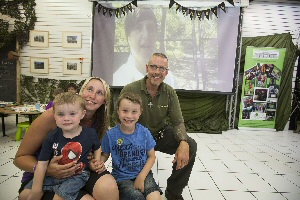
(72, 66)
(39, 65)
(71, 39)
(39, 38)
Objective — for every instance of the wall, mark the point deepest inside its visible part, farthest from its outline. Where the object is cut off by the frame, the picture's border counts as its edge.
(269, 17)
(58, 16)
(261, 17)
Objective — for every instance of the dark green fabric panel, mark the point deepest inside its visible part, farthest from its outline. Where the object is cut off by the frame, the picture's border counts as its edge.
(284, 97)
(204, 112)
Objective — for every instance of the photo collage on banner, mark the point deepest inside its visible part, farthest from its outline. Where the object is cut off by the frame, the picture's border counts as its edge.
(261, 84)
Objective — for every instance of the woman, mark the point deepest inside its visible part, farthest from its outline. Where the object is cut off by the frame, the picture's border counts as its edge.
(96, 93)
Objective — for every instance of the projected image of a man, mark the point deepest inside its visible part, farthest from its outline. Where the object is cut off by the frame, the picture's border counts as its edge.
(141, 31)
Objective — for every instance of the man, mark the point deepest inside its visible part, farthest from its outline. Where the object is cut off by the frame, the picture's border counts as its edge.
(160, 102)
(141, 31)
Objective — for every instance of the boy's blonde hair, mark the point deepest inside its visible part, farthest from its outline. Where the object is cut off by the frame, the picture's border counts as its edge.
(69, 98)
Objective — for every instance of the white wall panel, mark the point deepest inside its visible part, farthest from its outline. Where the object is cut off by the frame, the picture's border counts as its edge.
(55, 17)
(269, 17)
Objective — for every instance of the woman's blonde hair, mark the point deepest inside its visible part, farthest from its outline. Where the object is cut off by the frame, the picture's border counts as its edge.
(102, 114)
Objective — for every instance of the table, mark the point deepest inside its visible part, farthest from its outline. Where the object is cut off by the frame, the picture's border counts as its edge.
(8, 110)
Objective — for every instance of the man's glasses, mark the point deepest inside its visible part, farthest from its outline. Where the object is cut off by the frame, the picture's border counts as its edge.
(161, 68)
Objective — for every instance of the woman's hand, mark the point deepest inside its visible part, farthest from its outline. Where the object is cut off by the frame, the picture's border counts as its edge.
(61, 171)
(35, 195)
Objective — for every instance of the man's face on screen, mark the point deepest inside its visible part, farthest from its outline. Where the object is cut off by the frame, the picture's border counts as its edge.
(142, 39)
(155, 74)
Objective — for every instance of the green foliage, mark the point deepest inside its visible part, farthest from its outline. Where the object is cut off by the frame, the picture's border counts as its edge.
(23, 14)
(41, 90)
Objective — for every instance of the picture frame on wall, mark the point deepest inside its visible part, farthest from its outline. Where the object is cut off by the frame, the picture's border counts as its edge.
(39, 38)
(71, 66)
(39, 65)
(71, 39)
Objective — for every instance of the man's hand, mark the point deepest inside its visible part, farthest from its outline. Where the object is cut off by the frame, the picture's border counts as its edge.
(61, 171)
(182, 155)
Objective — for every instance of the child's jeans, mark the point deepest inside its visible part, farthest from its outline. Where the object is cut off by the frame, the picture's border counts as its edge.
(66, 188)
(128, 191)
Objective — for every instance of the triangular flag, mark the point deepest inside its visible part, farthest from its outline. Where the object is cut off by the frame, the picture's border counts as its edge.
(110, 11)
(177, 6)
(104, 10)
(192, 14)
(215, 10)
(117, 13)
(123, 9)
(134, 3)
(206, 13)
(222, 6)
(99, 7)
(184, 10)
(171, 3)
(231, 2)
(199, 14)
(129, 7)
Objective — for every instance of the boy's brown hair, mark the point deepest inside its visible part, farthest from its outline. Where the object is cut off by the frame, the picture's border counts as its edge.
(133, 97)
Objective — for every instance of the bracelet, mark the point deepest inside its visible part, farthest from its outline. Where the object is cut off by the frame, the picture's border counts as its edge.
(34, 167)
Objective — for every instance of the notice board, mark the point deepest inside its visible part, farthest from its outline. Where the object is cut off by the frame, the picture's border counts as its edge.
(8, 82)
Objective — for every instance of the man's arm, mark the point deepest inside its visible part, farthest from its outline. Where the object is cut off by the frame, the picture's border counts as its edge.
(182, 153)
(176, 118)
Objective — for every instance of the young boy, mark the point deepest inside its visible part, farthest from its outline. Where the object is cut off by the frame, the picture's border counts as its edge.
(72, 87)
(131, 146)
(55, 92)
(72, 141)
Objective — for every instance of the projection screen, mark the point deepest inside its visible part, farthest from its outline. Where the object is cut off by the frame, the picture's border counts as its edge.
(201, 53)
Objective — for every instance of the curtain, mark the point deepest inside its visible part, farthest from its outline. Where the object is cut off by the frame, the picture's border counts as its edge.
(284, 97)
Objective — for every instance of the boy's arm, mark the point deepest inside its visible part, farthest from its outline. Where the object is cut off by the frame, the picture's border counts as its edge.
(139, 181)
(104, 157)
(149, 163)
(97, 164)
(39, 175)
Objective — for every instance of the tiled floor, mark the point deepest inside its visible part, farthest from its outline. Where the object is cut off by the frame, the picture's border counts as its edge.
(234, 165)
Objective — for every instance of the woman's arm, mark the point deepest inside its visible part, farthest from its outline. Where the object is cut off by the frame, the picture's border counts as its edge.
(39, 175)
(25, 157)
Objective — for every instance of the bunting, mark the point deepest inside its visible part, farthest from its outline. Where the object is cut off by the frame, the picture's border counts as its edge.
(118, 12)
(193, 13)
